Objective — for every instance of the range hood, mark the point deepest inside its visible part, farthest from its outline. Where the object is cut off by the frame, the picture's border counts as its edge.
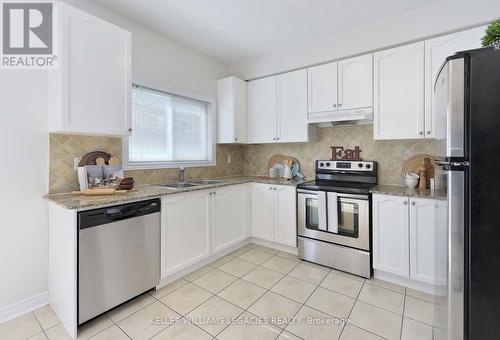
(354, 116)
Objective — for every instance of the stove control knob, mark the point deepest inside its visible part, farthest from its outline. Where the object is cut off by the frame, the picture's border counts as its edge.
(321, 164)
(327, 163)
(368, 166)
(360, 165)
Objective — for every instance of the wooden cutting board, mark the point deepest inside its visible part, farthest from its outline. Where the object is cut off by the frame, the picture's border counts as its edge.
(281, 159)
(414, 163)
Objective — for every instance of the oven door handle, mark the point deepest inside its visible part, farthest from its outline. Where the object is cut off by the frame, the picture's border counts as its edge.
(333, 218)
(322, 212)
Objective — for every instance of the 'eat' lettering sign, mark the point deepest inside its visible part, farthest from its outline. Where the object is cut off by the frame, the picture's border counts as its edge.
(339, 153)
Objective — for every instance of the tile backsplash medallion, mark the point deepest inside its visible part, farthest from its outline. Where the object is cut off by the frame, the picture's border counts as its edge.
(64, 148)
(389, 155)
(245, 159)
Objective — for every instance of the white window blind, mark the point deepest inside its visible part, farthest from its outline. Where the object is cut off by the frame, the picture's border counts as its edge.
(167, 128)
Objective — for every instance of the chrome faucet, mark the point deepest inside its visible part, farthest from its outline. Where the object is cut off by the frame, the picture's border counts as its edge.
(181, 173)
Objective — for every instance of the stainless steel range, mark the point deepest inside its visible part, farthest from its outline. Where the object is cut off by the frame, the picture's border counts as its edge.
(334, 216)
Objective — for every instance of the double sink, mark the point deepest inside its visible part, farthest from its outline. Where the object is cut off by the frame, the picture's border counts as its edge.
(180, 185)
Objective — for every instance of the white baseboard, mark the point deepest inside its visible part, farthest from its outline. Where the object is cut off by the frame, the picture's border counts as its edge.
(277, 246)
(24, 306)
(406, 282)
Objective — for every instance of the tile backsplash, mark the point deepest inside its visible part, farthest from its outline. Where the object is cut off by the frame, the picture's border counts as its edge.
(245, 159)
(65, 148)
(389, 154)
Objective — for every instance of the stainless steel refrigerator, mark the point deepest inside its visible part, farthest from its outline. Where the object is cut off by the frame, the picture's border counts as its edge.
(468, 135)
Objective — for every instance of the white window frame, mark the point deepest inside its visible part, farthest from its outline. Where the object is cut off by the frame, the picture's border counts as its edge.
(211, 133)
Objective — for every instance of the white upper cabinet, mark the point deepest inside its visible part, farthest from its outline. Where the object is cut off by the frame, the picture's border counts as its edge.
(232, 110)
(322, 88)
(390, 234)
(277, 109)
(90, 92)
(436, 52)
(355, 86)
(292, 107)
(262, 110)
(399, 92)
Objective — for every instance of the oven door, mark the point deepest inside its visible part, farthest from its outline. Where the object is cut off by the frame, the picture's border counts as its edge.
(334, 217)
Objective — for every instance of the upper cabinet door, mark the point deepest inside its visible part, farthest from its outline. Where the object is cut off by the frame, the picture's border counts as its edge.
(436, 52)
(322, 88)
(93, 82)
(232, 110)
(355, 82)
(262, 109)
(399, 92)
(292, 107)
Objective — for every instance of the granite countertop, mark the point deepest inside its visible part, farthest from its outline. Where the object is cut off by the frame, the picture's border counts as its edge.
(400, 190)
(144, 192)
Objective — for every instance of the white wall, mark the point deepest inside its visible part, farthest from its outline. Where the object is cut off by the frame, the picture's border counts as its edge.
(158, 61)
(439, 17)
(24, 181)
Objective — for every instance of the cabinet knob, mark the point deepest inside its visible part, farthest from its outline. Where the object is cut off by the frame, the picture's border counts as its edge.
(340, 104)
(405, 202)
(129, 129)
(270, 188)
(428, 132)
(236, 139)
(274, 138)
(277, 138)
(420, 133)
(334, 105)
(412, 203)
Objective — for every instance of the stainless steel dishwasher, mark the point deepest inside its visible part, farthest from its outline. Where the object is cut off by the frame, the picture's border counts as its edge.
(118, 255)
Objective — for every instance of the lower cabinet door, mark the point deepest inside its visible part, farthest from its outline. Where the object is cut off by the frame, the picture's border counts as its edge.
(426, 242)
(185, 230)
(285, 212)
(262, 211)
(230, 216)
(390, 234)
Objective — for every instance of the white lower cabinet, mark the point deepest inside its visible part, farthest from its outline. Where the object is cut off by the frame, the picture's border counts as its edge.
(230, 216)
(390, 234)
(198, 224)
(274, 215)
(185, 230)
(407, 241)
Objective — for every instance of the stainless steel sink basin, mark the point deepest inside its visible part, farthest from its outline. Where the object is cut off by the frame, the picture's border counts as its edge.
(178, 185)
(206, 181)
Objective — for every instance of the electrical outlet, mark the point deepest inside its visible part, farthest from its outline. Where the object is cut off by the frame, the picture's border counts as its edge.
(228, 159)
(76, 160)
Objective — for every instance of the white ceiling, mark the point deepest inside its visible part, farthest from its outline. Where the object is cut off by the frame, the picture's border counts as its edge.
(234, 30)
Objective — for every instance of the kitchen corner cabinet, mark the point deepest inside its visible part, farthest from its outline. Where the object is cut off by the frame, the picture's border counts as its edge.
(198, 224)
(436, 52)
(340, 86)
(407, 241)
(399, 92)
(274, 213)
(232, 110)
(90, 92)
(277, 109)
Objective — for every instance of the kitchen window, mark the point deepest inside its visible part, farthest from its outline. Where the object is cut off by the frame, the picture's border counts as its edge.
(169, 130)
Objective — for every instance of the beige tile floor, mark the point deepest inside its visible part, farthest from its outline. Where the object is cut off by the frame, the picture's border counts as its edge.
(253, 293)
